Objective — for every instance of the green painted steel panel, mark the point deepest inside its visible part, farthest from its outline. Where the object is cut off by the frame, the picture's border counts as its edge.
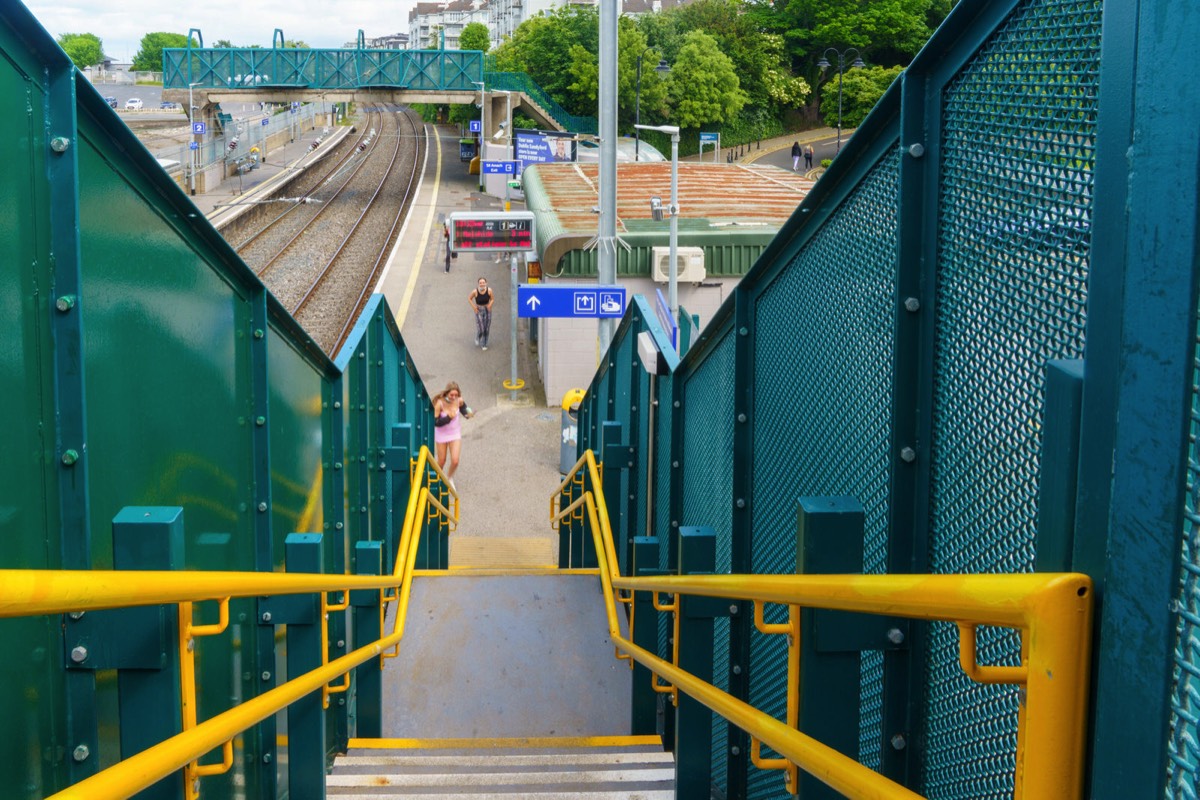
(296, 435)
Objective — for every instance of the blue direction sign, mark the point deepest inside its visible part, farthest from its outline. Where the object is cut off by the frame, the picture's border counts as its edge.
(476, 126)
(500, 168)
(710, 137)
(266, 121)
(199, 128)
(193, 145)
(542, 300)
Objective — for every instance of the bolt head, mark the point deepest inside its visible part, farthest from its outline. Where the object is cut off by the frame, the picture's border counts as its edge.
(80, 753)
(79, 654)
(60, 144)
(266, 676)
(895, 636)
(908, 455)
(912, 304)
(899, 742)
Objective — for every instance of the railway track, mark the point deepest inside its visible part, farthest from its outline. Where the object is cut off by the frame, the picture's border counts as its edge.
(322, 256)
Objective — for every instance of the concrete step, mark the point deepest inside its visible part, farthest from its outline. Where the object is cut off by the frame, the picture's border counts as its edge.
(505, 769)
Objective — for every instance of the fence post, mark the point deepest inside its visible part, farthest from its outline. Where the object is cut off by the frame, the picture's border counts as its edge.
(396, 460)
(618, 460)
(829, 540)
(644, 634)
(305, 717)
(693, 721)
(368, 676)
(141, 643)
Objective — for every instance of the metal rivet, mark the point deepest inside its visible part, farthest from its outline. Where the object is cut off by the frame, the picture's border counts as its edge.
(59, 144)
(258, 333)
(743, 331)
(266, 676)
(79, 654)
(65, 303)
(337, 465)
(337, 403)
(674, 523)
(341, 642)
(266, 758)
(899, 742)
(191, 645)
(895, 636)
(908, 455)
(81, 753)
(362, 354)
(733, 609)
(266, 617)
(338, 526)
(912, 304)
(737, 670)
(76, 615)
(735, 750)
(674, 465)
(260, 421)
(262, 506)
(741, 503)
(70, 457)
(675, 404)
(916, 150)
(741, 417)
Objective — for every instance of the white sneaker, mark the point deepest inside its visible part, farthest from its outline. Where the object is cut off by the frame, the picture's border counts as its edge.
(485, 347)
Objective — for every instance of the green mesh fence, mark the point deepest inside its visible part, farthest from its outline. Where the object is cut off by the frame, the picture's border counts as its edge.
(707, 498)
(1015, 219)
(1183, 744)
(823, 358)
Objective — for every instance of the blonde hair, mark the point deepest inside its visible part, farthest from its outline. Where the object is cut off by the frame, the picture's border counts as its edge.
(450, 387)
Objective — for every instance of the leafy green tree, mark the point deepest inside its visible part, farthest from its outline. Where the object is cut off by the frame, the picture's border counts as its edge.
(84, 49)
(542, 48)
(704, 85)
(474, 36)
(149, 57)
(861, 90)
(297, 44)
(223, 43)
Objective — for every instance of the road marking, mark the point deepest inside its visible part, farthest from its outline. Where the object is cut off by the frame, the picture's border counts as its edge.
(411, 286)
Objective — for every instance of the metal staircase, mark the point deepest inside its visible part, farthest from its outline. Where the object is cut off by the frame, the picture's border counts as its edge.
(597, 768)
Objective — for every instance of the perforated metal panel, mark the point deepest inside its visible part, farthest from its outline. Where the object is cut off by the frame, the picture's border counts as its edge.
(707, 467)
(1013, 231)
(1183, 743)
(823, 360)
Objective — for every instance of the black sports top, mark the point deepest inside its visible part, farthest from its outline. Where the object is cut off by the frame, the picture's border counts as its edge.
(484, 298)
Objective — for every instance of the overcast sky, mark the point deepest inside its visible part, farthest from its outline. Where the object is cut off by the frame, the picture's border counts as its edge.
(121, 24)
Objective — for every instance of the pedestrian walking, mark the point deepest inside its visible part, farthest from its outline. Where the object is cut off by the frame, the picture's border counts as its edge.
(446, 238)
(808, 156)
(795, 156)
(480, 300)
(449, 408)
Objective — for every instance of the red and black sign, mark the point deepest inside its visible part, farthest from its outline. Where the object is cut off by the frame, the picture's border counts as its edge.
(495, 231)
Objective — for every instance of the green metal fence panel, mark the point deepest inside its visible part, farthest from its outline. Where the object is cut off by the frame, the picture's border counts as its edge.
(707, 499)
(823, 362)
(1011, 294)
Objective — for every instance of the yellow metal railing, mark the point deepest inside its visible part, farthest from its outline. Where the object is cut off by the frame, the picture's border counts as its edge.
(1052, 613)
(38, 592)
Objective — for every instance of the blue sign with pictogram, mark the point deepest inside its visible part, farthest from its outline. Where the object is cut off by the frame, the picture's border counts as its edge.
(542, 300)
(266, 121)
(193, 145)
(199, 128)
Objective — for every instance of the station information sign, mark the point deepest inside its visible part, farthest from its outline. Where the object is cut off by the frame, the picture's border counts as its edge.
(491, 231)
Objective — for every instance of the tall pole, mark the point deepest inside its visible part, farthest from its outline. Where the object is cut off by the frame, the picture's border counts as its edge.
(606, 245)
(637, 110)
(841, 68)
(673, 248)
(839, 141)
(192, 152)
(483, 131)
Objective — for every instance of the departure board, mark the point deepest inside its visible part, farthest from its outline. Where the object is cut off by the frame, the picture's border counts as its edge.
(491, 230)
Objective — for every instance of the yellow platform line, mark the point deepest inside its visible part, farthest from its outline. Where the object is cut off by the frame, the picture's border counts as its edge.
(462, 572)
(497, 743)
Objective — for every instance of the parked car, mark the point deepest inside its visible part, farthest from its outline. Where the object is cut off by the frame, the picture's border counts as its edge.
(168, 105)
(112, 101)
(134, 104)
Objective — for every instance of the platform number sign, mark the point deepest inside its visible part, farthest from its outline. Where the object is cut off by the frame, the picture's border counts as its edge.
(476, 126)
(199, 128)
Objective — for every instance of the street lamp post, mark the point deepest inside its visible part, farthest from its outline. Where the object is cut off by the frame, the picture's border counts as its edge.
(823, 64)
(673, 243)
(662, 69)
(192, 152)
(482, 127)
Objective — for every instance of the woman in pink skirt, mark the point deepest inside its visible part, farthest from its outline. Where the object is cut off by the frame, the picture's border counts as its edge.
(449, 408)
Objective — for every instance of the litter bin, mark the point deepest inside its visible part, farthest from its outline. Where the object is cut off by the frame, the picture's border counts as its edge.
(568, 453)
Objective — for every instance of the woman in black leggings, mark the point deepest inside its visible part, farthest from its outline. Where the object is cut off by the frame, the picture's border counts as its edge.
(481, 301)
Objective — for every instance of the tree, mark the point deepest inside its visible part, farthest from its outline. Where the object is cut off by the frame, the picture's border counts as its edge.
(149, 58)
(84, 49)
(297, 44)
(861, 90)
(223, 43)
(704, 86)
(475, 36)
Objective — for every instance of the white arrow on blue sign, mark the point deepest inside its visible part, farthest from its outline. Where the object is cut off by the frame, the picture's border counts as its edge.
(199, 128)
(541, 300)
(500, 168)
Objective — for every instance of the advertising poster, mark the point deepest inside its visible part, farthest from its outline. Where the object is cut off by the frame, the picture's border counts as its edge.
(544, 147)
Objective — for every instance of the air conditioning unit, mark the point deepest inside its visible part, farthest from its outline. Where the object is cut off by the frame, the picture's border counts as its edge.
(689, 264)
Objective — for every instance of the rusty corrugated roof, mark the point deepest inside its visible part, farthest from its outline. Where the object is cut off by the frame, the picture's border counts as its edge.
(726, 198)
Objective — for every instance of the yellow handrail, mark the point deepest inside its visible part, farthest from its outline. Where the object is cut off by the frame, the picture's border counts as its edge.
(1052, 612)
(39, 592)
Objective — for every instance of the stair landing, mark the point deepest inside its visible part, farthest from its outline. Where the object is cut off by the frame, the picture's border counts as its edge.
(509, 655)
